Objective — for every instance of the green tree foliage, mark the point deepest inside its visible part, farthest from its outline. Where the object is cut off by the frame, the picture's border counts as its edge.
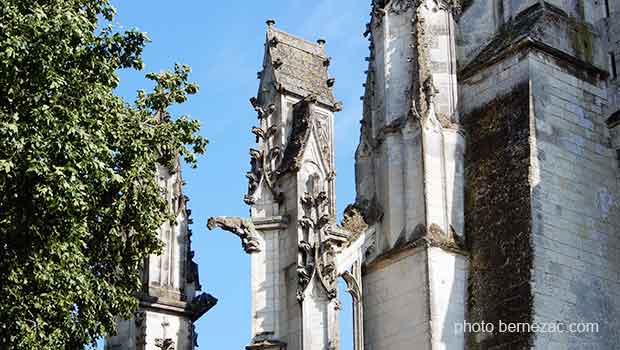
(79, 202)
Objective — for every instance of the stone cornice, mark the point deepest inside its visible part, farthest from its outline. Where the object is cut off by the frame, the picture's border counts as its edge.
(526, 32)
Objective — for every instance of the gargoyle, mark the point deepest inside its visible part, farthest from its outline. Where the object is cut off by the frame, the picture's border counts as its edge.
(243, 228)
(258, 108)
(262, 134)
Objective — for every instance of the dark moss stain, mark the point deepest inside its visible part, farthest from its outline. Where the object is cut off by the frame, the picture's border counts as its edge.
(465, 4)
(498, 218)
(582, 41)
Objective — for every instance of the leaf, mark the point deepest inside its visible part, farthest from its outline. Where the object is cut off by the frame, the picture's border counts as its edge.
(79, 201)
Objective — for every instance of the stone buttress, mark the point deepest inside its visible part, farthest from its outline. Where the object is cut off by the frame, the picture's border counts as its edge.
(536, 87)
(291, 233)
(169, 302)
(409, 178)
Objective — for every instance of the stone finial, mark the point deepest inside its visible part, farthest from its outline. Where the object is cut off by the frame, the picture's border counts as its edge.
(270, 22)
(321, 42)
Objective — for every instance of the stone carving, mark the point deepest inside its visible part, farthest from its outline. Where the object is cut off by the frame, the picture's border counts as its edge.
(454, 6)
(192, 273)
(353, 221)
(298, 136)
(258, 108)
(429, 119)
(277, 63)
(164, 344)
(305, 267)
(274, 41)
(322, 127)
(327, 268)
(254, 175)
(194, 336)
(401, 6)
(204, 302)
(353, 287)
(275, 153)
(243, 228)
(260, 160)
(262, 134)
(317, 257)
(140, 323)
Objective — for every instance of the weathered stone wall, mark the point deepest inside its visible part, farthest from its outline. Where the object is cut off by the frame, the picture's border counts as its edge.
(575, 205)
(151, 328)
(614, 54)
(447, 280)
(396, 309)
(476, 27)
(498, 203)
(166, 273)
(542, 193)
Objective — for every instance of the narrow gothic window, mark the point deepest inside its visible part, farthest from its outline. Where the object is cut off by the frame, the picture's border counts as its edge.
(618, 157)
(607, 10)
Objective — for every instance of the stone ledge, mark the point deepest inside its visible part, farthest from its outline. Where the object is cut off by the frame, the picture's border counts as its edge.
(267, 344)
(529, 31)
(271, 223)
(194, 309)
(413, 247)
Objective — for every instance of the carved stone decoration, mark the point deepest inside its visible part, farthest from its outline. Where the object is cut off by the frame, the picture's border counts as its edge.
(429, 119)
(203, 302)
(261, 160)
(322, 127)
(164, 344)
(260, 110)
(254, 175)
(243, 228)
(140, 323)
(353, 287)
(275, 154)
(401, 6)
(317, 258)
(326, 271)
(192, 271)
(262, 134)
(353, 221)
(298, 136)
(305, 267)
(194, 336)
(453, 6)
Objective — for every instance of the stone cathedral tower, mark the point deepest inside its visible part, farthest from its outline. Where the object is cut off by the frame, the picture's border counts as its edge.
(169, 303)
(486, 174)
(291, 233)
(409, 176)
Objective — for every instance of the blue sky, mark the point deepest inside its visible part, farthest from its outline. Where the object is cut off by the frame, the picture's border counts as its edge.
(223, 43)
